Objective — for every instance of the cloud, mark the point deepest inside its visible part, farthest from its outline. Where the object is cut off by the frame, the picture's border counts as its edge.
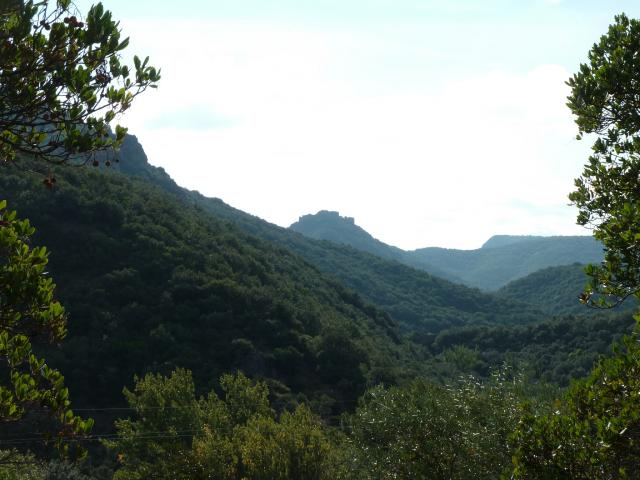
(418, 158)
(193, 117)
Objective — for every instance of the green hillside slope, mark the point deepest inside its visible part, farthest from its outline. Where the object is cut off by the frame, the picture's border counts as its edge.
(418, 300)
(152, 283)
(556, 350)
(555, 290)
(156, 277)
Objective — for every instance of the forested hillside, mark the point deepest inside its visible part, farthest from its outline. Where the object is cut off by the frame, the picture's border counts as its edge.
(556, 350)
(556, 291)
(152, 283)
(416, 299)
(157, 279)
(464, 330)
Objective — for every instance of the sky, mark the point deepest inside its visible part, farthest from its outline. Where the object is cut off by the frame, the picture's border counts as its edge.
(432, 123)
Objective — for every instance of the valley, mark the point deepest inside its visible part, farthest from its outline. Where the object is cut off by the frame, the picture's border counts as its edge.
(151, 332)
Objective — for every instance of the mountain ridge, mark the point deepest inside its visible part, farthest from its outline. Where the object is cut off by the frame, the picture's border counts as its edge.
(500, 260)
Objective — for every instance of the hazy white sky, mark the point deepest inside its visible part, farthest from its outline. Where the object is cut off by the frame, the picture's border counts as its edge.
(433, 123)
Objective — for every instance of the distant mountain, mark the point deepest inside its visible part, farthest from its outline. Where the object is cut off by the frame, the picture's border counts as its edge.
(418, 300)
(502, 259)
(327, 225)
(502, 240)
(501, 262)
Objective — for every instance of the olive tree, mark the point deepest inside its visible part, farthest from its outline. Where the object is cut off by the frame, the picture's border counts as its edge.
(593, 432)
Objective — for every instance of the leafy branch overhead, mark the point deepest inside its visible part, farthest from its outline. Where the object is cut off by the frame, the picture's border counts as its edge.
(62, 81)
(605, 100)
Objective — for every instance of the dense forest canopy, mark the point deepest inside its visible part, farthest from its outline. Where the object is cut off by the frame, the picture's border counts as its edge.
(152, 283)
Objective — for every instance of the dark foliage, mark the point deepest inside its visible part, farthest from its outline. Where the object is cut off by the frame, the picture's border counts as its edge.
(593, 433)
(416, 299)
(556, 291)
(151, 284)
(556, 350)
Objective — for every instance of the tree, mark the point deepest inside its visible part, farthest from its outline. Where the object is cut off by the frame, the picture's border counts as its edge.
(26, 466)
(592, 434)
(20, 467)
(425, 430)
(62, 82)
(238, 436)
(27, 310)
(158, 444)
(605, 99)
